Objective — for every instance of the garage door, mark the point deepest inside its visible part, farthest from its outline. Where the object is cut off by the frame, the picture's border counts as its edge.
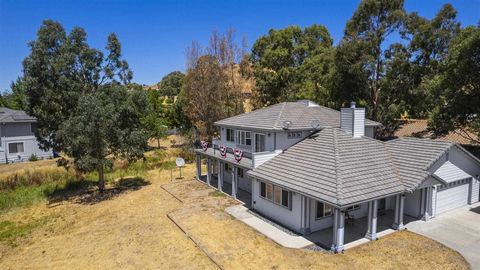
(452, 196)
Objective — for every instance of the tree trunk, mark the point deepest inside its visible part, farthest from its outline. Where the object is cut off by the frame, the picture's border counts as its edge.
(101, 179)
(158, 142)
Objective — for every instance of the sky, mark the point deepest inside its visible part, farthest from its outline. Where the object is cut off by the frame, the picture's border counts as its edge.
(155, 34)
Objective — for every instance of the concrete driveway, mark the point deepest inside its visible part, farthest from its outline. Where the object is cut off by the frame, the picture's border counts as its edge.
(458, 229)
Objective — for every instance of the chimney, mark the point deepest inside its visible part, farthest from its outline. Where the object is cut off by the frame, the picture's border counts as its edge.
(352, 120)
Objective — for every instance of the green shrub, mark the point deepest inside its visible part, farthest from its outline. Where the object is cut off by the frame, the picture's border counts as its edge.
(33, 157)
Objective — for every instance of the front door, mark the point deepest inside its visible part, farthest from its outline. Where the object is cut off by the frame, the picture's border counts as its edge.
(259, 142)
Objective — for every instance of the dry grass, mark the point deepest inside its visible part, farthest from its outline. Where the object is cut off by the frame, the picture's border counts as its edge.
(133, 231)
(6, 169)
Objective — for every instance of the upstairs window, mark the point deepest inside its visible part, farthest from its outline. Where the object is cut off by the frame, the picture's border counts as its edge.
(14, 148)
(230, 135)
(294, 135)
(244, 137)
(323, 210)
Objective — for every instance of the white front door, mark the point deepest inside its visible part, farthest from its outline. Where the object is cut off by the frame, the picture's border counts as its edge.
(451, 197)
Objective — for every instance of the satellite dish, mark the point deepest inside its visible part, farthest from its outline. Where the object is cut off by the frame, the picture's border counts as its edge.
(286, 124)
(180, 162)
(316, 124)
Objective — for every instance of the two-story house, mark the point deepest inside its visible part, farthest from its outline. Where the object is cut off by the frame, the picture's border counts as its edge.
(315, 171)
(17, 137)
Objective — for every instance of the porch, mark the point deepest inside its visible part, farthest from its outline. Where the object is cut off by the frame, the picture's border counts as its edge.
(355, 230)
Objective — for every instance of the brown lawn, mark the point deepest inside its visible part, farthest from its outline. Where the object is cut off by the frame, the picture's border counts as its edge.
(182, 225)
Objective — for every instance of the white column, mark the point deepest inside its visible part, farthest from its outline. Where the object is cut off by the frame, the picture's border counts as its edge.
(198, 159)
(372, 220)
(427, 213)
(339, 230)
(209, 171)
(220, 175)
(234, 182)
(399, 202)
(305, 215)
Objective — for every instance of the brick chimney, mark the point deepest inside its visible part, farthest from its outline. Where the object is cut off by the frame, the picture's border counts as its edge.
(352, 120)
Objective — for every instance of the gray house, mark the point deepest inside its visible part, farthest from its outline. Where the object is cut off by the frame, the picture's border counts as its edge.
(17, 137)
(316, 170)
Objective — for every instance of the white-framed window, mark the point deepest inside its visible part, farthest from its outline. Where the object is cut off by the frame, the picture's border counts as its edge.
(353, 207)
(230, 135)
(15, 148)
(323, 210)
(294, 135)
(275, 194)
(33, 127)
(244, 137)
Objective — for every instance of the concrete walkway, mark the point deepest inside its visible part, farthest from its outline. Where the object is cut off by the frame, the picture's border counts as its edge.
(280, 237)
(458, 229)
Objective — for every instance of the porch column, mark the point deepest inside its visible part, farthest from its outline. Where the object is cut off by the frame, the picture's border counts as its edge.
(220, 175)
(427, 211)
(198, 161)
(398, 221)
(209, 171)
(372, 220)
(423, 202)
(234, 182)
(338, 229)
(305, 215)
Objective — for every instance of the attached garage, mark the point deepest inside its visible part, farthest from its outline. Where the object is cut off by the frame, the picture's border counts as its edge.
(452, 196)
(455, 192)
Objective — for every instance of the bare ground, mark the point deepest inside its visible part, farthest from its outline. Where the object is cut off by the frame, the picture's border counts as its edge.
(182, 225)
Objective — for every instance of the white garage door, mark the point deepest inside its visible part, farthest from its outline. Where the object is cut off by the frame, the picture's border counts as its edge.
(453, 196)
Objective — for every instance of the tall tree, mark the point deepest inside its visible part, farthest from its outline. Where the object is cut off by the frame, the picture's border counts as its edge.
(65, 82)
(458, 87)
(205, 94)
(171, 84)
(155, 120)
(292, 63)
(105, 125)
(362, 56)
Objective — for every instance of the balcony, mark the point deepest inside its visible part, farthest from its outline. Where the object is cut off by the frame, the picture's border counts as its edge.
(257, 158)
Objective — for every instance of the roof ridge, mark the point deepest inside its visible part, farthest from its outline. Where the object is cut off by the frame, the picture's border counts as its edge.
(335, 150)
(397, 173)
(279, 114)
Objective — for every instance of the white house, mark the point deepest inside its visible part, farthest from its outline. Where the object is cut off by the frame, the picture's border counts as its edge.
(311, 169)
(17, 137)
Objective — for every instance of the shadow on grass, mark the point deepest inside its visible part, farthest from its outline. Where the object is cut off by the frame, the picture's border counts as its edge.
(86, 192)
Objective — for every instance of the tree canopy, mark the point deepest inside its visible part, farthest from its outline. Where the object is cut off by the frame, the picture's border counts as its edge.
(78, 95)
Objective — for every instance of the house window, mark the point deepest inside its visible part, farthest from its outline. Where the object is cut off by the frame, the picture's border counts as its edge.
(230, 135)
(244, 137)
(323, 210)
(33, 127)
(353, 207)
(275, 194)
(240, 172)
(227, 168)
(294, 135)
(14, 148)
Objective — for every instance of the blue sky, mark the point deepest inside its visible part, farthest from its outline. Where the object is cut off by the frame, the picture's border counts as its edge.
(155, 34)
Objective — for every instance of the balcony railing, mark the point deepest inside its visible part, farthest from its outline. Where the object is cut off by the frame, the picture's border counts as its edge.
(258, 158)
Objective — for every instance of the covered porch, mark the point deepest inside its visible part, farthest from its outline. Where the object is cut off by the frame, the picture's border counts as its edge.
(226, 181)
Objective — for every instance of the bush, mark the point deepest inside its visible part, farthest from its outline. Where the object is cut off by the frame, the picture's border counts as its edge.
(33, 157)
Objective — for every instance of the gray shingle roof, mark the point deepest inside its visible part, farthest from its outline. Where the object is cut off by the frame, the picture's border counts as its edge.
(333, 167)
(414, 156)
(301, 116)
(12, 116)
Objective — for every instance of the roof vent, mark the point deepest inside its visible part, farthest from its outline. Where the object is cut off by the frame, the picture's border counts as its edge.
(353, 104)
(286, 124)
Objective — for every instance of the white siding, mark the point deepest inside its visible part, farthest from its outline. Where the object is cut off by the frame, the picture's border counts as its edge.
(30, 146)
(412, 204)
(290, 218)
(475, 192)
(370, 132)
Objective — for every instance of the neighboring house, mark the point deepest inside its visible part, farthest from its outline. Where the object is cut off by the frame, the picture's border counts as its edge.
(311, 168)
(17, 137)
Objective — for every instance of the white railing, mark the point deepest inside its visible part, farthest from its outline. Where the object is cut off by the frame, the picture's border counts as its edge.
(261, 157)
